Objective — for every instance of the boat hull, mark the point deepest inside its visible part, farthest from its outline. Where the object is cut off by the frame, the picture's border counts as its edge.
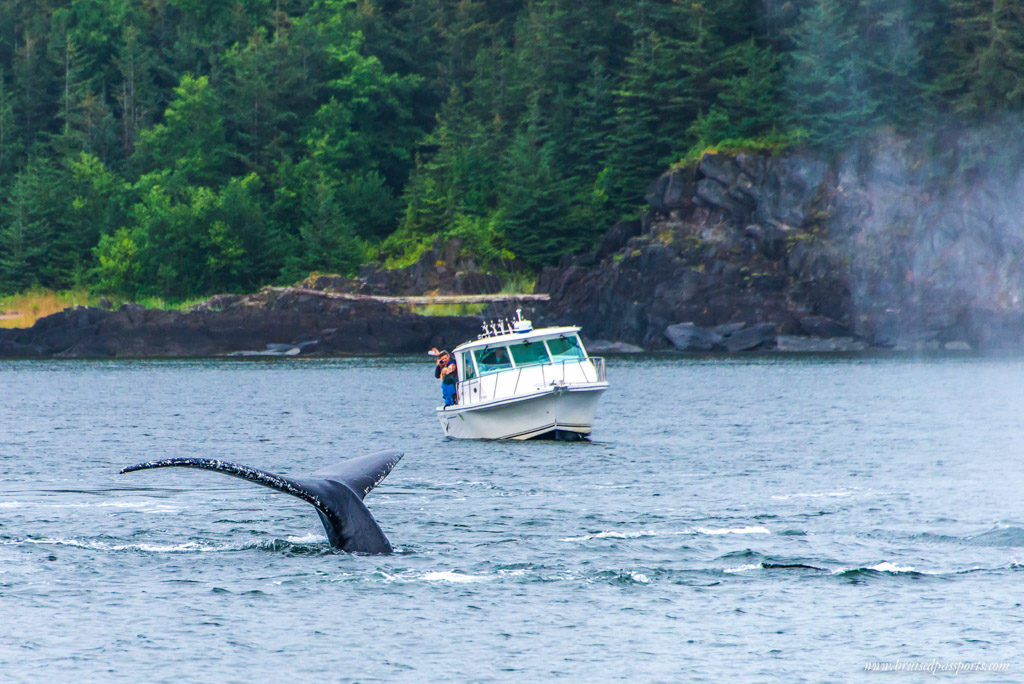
(556, 412)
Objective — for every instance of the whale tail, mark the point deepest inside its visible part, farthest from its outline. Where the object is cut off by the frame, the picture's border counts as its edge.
(337, 493)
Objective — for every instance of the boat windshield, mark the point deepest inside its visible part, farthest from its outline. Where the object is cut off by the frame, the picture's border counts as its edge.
(566, 349)
(529, 353)
(468, 372)
(492, 360)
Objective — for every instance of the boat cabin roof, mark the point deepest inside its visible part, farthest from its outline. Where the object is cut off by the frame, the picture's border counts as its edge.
(514, 337)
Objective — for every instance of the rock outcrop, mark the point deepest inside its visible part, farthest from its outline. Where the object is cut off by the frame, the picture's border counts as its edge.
(270, 321)
(884, 247)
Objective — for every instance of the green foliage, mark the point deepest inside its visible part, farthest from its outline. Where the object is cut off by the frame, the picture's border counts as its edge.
(828, 85)
(191, 139)
(985, 48)
(185, 240)
(180, 147)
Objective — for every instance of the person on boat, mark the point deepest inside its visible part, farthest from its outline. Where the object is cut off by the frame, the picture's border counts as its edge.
(447, 371)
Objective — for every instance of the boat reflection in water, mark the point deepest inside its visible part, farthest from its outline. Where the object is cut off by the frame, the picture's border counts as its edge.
(519, 383)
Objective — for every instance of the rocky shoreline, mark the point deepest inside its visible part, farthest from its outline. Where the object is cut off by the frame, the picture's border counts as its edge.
(736, 253)
(266, 323)
(880, 249)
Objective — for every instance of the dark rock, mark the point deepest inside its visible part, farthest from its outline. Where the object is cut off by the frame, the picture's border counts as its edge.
(266, 322)
(655, 195)
(822, 326)
(616, 238)
(672, 190)
(797, 343)
(711, 193)
(760, 336)
(727, 329)
(769, 282)
(692, 338)
(719, 167)
(12, 349)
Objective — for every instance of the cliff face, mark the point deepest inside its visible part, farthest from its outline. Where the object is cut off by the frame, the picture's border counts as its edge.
(894, 245)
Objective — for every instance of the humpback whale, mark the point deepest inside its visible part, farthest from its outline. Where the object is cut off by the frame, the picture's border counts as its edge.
(337, 493)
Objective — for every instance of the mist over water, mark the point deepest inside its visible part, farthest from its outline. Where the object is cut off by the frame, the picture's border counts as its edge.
(733, 519)
(936, 221)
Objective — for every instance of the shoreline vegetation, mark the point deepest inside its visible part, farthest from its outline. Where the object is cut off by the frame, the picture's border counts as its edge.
(175, 150)
(23, 309)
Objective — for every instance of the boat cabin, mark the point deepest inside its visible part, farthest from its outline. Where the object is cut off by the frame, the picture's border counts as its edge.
(521, 361)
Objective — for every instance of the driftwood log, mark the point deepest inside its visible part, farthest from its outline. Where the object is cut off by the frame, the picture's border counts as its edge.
(417, 299)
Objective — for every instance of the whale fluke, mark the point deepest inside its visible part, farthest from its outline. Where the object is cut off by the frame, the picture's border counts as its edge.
(336, 492)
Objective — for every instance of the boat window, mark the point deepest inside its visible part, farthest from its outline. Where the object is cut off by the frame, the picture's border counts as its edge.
(566, 349)
(468, 372)
(529, 353)
(492, 360)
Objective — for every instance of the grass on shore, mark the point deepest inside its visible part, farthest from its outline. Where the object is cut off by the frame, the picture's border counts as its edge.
(23, 309)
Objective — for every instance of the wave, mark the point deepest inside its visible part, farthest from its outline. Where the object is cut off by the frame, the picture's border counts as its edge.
(146, 506)
(614, 534)
(624, 577)
(747, 561)
(813, 495)
(453, 576)
(95, 545)
(311, 544)
(447, 576)
(1001, 535)
(750, 529)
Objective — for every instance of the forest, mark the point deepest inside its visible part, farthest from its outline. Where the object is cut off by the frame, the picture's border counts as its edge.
(178, 148)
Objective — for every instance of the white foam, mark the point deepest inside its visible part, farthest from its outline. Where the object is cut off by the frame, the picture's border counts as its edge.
(518, 572)
(639, 577)
(611, 534)
(886, 566)
(310, 538)
(145, 505)
(153, 548)
(750, 529)
(811, 495)
(744, 568)
(608, 534)
(452, 576)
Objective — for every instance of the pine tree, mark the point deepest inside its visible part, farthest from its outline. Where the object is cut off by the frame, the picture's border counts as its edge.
(747, 104)
(985, 68)
(826, 81)
(891, 38)
(8, 132)
(29, 249)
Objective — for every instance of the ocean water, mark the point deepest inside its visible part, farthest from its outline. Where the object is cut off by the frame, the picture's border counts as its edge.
(793, 519)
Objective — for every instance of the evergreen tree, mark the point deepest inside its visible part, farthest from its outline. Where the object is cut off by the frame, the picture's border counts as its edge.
(29, 253)
(985, 47)
(747, 104)
(191, 140)
(826, 81)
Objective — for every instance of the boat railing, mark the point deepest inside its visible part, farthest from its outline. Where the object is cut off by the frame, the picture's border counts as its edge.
(565, 372)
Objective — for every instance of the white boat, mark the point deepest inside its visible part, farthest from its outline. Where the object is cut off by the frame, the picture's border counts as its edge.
(519, 383)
